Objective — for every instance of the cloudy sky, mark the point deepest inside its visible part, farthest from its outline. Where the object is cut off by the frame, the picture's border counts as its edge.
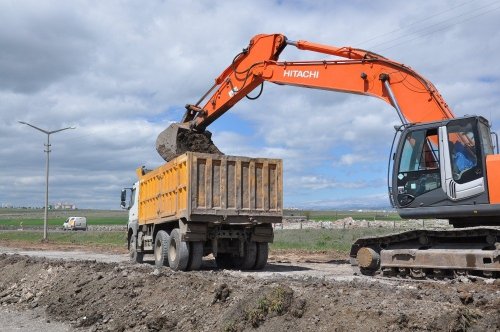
(121, 71)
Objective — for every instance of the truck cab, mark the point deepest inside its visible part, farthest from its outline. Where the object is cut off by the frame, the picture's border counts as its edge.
(130, 202)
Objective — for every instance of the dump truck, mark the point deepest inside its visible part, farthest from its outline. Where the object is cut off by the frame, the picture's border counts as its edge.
(199, 204)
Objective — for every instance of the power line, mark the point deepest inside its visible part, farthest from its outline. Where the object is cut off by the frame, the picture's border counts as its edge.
(433, 31)
(480, 11)
(414, 23)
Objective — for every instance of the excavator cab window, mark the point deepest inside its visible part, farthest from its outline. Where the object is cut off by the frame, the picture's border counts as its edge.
(419, 165)
(465, 153)
(485, 133)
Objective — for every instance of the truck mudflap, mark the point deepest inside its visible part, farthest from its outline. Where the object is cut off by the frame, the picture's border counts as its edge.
(430, 253)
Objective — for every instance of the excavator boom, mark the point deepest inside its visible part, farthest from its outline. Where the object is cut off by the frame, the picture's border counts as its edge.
(357, 71)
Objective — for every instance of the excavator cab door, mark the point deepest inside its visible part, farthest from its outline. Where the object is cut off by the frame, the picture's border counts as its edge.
(462, 171)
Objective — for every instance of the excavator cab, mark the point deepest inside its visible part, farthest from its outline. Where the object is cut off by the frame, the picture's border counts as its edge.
(440, 171)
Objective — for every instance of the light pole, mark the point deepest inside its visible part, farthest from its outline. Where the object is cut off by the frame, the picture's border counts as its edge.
(46, 171)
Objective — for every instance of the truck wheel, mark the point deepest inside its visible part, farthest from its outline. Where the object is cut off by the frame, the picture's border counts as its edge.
(248, 261)
(195, 255)
(178, 252)
(161, 248)
(134, 255)
(262, 253)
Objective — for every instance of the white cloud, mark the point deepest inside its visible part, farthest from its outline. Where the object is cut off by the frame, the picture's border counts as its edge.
(121, 70)
(350, 159)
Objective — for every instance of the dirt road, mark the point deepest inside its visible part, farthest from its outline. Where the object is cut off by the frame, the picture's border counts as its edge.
(32, 321)
(294, 292)
(291, 265)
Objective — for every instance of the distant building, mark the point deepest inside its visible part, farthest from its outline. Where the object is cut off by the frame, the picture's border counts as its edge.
(64, 206)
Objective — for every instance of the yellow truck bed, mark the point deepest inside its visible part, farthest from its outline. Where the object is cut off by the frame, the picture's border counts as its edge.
(212, 188)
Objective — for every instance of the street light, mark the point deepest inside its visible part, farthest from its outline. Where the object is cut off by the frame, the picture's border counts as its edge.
(46, 171)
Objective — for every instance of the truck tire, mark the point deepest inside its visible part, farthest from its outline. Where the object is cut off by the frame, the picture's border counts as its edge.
(262, 254)
(249, 259)
(195, 255)
(161, 248)
(134, 255)
(178, 251)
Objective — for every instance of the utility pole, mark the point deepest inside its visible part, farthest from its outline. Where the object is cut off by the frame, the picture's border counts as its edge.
(48, 133)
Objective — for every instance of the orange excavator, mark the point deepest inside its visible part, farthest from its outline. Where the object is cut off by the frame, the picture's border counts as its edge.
(440, 166)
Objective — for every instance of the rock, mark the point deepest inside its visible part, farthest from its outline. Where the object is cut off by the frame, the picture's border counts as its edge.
(466, 297)
(463, 279)
(27, 296)
(221, 293)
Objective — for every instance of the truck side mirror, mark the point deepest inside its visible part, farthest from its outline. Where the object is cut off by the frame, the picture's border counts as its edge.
(123, 203)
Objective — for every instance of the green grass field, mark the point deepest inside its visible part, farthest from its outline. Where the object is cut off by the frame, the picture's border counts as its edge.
(113, 239)
(58, 222)
(34, 217)
(339, 214)
(322, 239)
(306, 239)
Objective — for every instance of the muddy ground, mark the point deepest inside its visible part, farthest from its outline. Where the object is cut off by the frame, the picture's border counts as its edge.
(292, 293)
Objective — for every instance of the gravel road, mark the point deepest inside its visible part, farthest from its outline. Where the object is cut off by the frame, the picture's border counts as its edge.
(277, 267)
(12, 320)
(78, 255)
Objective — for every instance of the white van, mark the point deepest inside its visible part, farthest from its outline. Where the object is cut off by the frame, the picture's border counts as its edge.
(75, 223)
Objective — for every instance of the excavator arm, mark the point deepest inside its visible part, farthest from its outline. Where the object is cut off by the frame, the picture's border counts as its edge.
(356, 71)
(359, 72)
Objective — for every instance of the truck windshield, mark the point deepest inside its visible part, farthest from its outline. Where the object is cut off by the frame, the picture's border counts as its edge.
(132, 197)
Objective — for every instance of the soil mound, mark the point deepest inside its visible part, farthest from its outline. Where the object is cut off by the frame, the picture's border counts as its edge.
(124, 297)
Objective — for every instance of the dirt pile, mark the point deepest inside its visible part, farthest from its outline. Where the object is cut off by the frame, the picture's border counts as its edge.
(176, 140)
(350, 223)
(124, 297)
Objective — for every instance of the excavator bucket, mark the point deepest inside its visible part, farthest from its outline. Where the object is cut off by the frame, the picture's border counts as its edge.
(178, 139)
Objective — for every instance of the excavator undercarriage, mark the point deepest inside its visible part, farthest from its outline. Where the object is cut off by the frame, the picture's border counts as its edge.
(424, 254)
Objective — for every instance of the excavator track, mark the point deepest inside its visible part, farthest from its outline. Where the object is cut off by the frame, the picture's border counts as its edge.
(430, 254)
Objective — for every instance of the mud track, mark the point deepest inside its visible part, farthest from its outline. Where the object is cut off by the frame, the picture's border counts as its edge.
(109, 294)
